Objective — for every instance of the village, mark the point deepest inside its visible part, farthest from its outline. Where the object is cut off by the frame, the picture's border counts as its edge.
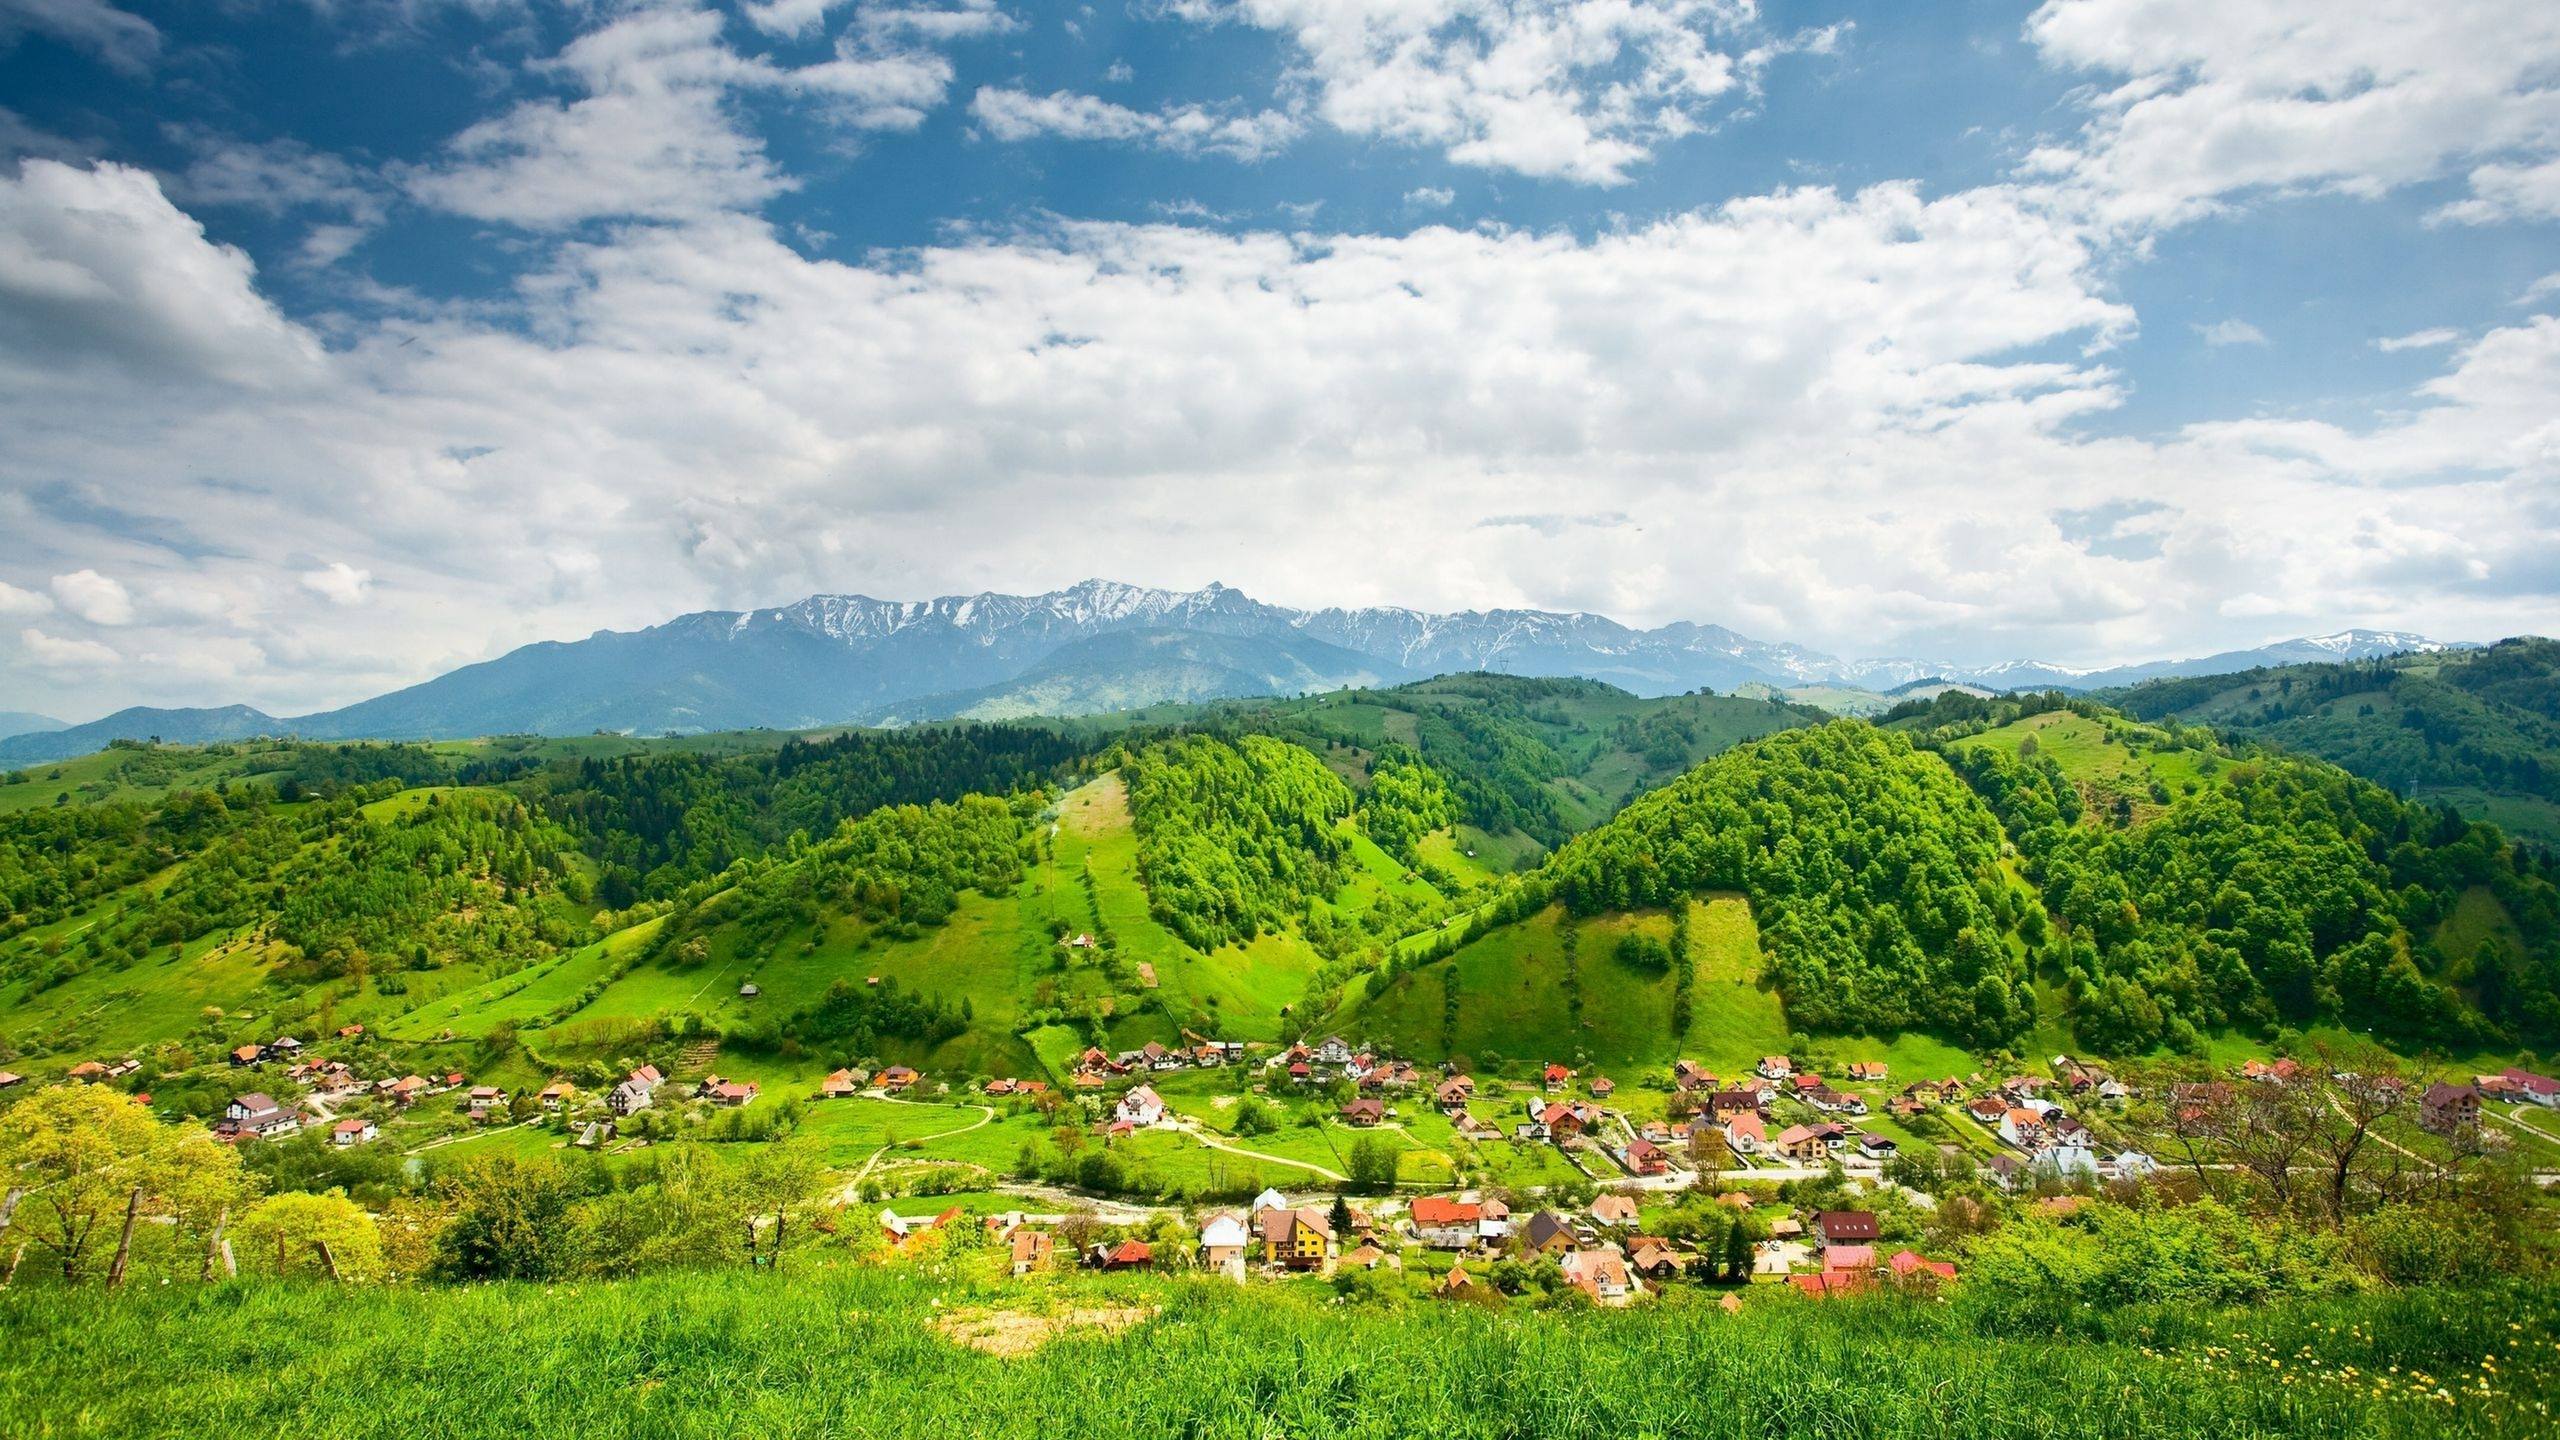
(1616, 1190)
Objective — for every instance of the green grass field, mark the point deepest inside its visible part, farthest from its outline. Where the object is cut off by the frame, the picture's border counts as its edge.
(2106, 760)
(860, 1353)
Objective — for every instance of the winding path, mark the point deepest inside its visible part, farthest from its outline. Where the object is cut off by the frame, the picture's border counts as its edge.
(852, 1187)
(1202, 1134)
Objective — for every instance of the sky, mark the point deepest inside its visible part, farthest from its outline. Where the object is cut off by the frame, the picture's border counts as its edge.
(343, 342)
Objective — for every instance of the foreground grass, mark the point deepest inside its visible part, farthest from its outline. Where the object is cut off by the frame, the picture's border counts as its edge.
(855, 1353)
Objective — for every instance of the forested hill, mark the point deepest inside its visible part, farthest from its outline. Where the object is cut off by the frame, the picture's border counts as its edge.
(2475, 729)
(2041, 863)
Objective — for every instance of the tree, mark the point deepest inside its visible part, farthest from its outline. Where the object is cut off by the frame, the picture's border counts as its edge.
(303, 1234)
(88, 1161)
(510, 1220)
(1372, 1164)
(1737, 1251)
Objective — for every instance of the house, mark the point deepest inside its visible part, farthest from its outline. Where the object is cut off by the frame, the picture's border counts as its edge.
(1446, 1224)
(2450, 1109)
(1653, 1259)
(1081, 941)
(1804, 1143)
(1734, 1102)
(1032, 1249)
(256, 1114)
(556, 1094)
(1141, 1107)
(1923, 1093)
(2531, 1088)
(731, 1093)
(1690, 1075)
(1452, 1094)
(897, 1078)
(1746, 1133)
(2004, 1170)
(1127, 1255)
(1775, 1067)
(628, 1098)
(1909, 1265)
(1602, 1087)
(1830, 1283)
(1617, 1210)
(11, 1079)
(647, 1076)
(350, 1032)
(1557, 1077)
(88, 1072)
(1646, 1158)
(750, 990)
(1155, 1056)
(1455, 1282)
(1296, 1239)
(897, 1228)
(841, 1084)
(1364, 1112)
(249, 1055)
(353, 1132)
(1867, 1072)
(2023, 1128)
(1495, 1227)
(1989, 1110)
(1334, 1051)
(1549, 1233)
(1223, 1242)
(2129, 1165)
(1394, 1075)
(1844, 1227)
(1602, 1275)
(1854, 1259)
(485, 1098)
(1876, 1147)
(1367, 1257)
(287, 1046)
(1806, 1084)
(1301, 1072)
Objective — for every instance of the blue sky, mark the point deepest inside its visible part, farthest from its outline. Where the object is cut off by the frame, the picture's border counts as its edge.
(346, 342)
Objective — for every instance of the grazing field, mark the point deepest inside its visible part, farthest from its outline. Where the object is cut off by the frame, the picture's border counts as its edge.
(2108, 761)
(884, 1353)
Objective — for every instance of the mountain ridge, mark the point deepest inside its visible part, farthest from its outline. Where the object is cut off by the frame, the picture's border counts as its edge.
(844, 658)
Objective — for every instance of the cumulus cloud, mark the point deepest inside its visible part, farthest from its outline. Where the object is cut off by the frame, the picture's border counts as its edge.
(2200, 101)
(1433, 197)
(14, 601)
(51, 652)
(655, 132)
(118, 38)
(98, 268)
(1577, 90)
(96, 598)
(1183, 129)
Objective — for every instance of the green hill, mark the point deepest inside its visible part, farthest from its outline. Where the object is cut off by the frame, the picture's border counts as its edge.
(2478, 730)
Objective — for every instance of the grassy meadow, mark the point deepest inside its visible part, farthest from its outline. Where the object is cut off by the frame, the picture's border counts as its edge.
(865, 1352)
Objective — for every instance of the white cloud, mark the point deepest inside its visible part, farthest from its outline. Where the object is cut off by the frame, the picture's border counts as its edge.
(2231, 332)
(2509, 192)
(2209, 100)
(2541, 289)
(96, 598)
(338, 582)
(1014, 115)
(1578, 90)
(53, 653)
(656, 134)
(98, 268)
(1433, 197)
(122, 40)
(14, 601)
(2432, 339)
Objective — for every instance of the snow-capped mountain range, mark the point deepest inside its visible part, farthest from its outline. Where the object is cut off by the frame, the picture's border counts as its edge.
(832, 659)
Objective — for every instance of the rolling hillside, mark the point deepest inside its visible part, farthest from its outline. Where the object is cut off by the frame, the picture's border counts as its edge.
(2478, 730)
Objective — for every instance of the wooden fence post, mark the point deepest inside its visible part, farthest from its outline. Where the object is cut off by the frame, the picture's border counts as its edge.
(124, 1242)
(216, 1247)
(328, 1259)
